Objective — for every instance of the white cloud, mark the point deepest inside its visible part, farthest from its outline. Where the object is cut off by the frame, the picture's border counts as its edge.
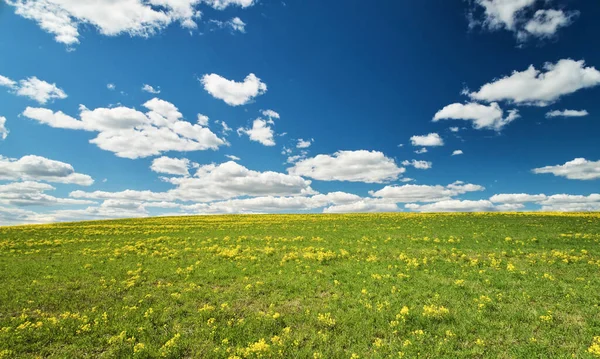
(453, 205)
(3, 130)
(270, 114)
(173, 166)
(36, 168)
(457, 152)
(421, 151)
(150, 89)
(454, 129)
(111, 86)
(304, 143)
(533, 87)
(236, 24)
(490, 117)
(571, 203)
(422, 165)
(233, 93)
(260, 132)
(215, 182)
(30, 193)
(432, 139)
(222, 4)
(424, 193)
(202, 120)
(545, 23)
(512, 198)
(63, 18)
(233, 158)
(362, 206)
(34, 88)
(567, 113)
(132, 134)
(579, 168)
(6, 82)
(352, 166)
(515, 16)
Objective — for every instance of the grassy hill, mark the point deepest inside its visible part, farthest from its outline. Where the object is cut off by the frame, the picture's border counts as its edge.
(304, 286)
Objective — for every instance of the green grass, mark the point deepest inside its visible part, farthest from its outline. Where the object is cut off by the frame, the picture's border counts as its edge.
(303, 286)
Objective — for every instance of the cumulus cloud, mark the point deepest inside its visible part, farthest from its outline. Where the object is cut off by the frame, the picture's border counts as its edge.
(261, 132)
(233, 93)
(352, 166)
(34, 88)
(133, 134)
(29, 193)
(457, 152)
(215, 182)
(534, 87)
(517, 198)
(3, 130)
(270, 114)
(421, 151)
(516, 16)
(579, 169)
(37, 168)
(546, 22)
(64, 18)
(453, 205)
(304, 143)
(422, 165)
(173, 166)
(111, 86)
(150, 89)
(432, 139)
(233, 158)
(222, 4)
(483, 117)
(202, 120)
(567, 113)
(424, 193)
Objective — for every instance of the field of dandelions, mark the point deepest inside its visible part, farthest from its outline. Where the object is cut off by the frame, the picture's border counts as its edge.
(522, 285)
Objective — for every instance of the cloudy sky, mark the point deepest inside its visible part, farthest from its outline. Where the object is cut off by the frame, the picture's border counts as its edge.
(138, 108)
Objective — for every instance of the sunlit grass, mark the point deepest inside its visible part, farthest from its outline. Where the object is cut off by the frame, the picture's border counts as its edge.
(304, 286)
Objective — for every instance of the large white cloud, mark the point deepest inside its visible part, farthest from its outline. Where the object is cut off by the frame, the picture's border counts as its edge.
(215, 182)
(3, 130)
(539, 88)
(64, 18)
(133, 134)
(38, 168)
(579, 168)
(516, 16)
(482, 116)
(233, 93)
(352, 166)
(432, 139)
(424, 193)
(34, 88)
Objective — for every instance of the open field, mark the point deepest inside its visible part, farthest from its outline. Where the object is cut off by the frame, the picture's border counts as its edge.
(304, 286)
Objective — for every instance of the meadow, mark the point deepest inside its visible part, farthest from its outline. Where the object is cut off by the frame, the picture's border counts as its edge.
(520, 285)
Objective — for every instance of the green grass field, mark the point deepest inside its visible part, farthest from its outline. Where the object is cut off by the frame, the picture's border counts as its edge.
(304, 286)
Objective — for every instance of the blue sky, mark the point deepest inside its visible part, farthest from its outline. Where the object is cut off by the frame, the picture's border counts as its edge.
(368, 88)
